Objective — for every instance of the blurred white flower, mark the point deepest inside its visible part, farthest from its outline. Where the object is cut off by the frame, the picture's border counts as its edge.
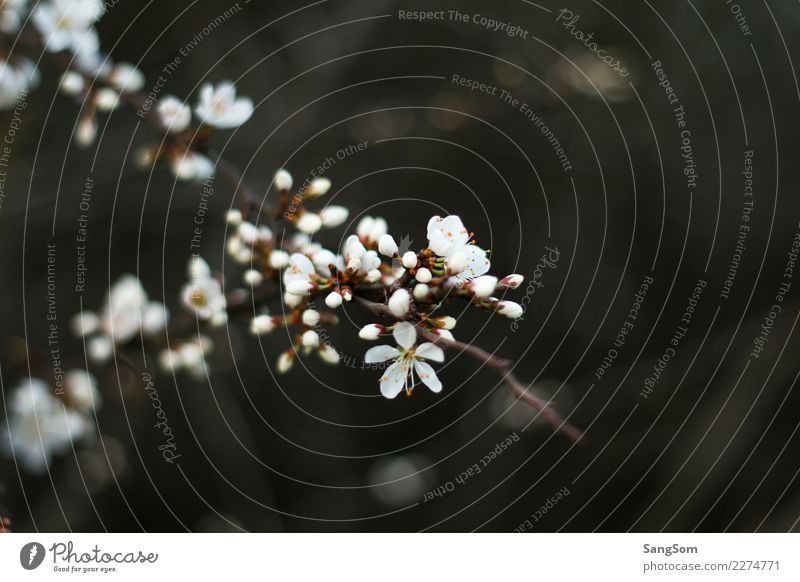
(174, 115)
(15, 79)
(203, 295)
(66, 24)
(192, 166)
(11, 15)
(39, 426)
(128, 312)
(400, 303)
(408, 359)
(219, 107)
(126, 78)
(82, 392)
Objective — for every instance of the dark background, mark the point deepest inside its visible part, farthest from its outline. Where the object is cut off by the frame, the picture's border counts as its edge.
(713, 448)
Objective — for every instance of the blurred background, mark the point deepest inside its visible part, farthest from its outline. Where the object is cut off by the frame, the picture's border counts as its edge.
(713, 445)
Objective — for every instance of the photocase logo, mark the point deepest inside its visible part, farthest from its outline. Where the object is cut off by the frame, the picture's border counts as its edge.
(31, 555)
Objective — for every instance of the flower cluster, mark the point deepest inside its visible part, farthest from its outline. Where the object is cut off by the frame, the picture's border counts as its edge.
(42, 421)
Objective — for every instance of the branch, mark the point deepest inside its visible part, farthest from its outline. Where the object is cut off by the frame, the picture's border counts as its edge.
(502, 366)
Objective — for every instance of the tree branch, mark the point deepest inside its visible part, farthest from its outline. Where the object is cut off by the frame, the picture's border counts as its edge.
(502, 366)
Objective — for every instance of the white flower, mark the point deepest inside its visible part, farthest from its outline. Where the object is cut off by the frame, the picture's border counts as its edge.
(204, 296)
(86, 131)
(99, 349)
(309, 223)
(297, 276)
(15, 79)
(39, 425)
(371, 332)
(448, 238)
(198, 268)
(65, 24)
(106, 99)
(333, 215)
(357, 258)
(400, 374)
(126, 78)
(444, 322)
(483, 286)
(400, 303)
(192, 166)
(170, 360)
(319, 187)
(310, 339)
(387, 246)
(219, 107)
(322, 260)
(129, 312)
(283, 180)
(509, 309)
(174, 115)
(82, 392)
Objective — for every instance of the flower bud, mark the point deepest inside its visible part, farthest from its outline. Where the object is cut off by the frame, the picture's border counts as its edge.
(483, 286)
(328, 355)
(72, 83)
(424, 275)
(279, 259)
(373, 276)
(309, 223)
(106, 99)
(333, 300)
(262, 324)
(318, 187)
(169, 361)
(253, 278)
(421, 292)
(400, 303)
(511, 281)
(283, 180)
(85, 323)
(310, 317)
(387, 246)
(444, 322)
(286, 361)
(248, 233)
(310, 339)
(86, 131)
(333, 216)
(234, 217)
(292, 300)
(509, 309)
(371, 332)
(410, 260)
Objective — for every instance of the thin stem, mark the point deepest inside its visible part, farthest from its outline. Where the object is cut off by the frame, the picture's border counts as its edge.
(502, 366)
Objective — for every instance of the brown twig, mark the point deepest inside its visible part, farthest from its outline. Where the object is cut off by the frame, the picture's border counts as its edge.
(502, 366)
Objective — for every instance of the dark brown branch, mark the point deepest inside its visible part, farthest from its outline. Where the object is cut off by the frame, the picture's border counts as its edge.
(502, 366)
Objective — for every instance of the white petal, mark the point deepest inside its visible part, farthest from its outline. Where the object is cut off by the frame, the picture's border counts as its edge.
(430, 351)
(405, 335)
(428, 376)
(380, 354)
(394, 380)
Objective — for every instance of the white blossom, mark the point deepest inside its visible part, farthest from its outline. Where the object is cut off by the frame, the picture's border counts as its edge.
(252, 278)
(262, 324)
(423, 275)
(173, 114)
(328, 354)
(448, 238)
(219, 107)
(511, 281)
(203, 294)
(371, 229)
(39, 425)
(15, 79)
(285, 361)
(67, 24)
(123, 315)
(126, 78)
(85, 323)
(408, 359)
(234, 217)
(483, 286)
(333, 300)
(444, 322)
(309, 223)
(11, 15)
(278, 259)
(311, 317)
(409, 259)
(421, 291)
